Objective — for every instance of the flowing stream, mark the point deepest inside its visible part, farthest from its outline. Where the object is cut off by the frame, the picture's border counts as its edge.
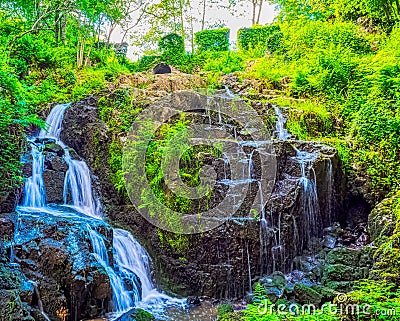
(131, 261)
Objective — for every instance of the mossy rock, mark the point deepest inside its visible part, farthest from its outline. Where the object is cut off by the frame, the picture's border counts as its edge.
(138, 315)
(382, 219)
(339, 272)
(224, 309)
(343, 256)
(231, 316)
(340, 286)
(304, 294)
(13, 308)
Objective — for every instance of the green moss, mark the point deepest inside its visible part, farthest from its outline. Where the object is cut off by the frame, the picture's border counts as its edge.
(177, 242)
(224, 309)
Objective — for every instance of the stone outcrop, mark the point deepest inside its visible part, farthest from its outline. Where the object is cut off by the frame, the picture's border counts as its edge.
(54, 254)
(216, 263)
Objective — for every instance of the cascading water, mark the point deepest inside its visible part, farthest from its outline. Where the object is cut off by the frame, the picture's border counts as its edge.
(131, 259)
(78, 185)
(122, 298)
(39, 301)
(281, 131)
(34, 190)
(309, 196)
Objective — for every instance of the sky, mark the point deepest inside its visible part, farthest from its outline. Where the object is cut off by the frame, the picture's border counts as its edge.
(215, 15)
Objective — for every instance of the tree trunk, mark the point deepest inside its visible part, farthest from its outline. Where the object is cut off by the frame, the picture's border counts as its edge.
(182, 20)
(57, 26)
(259, 11)
(112, 27)
(63, 29)
(253, 19)
(204, 15)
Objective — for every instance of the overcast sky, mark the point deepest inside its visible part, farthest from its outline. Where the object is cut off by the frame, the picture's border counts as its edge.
(216, 15)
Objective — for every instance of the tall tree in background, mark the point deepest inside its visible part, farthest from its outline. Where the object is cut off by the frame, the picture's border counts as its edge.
(256, 6)
(163, 17)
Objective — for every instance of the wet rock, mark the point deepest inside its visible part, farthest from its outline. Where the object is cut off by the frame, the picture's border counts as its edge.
(193, 301)
(16, 293)
(43, 141)
(54, 173)
(54, 252)
(136, 315)
(6, 229)
(223, 262)
(13, 308)
(329, 241)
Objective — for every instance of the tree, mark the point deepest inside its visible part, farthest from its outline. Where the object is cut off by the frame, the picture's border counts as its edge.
(257, 6)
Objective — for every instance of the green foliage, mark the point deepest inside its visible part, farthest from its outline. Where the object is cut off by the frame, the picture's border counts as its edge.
(16, 114)
(143, 315)
(224, 309)
(178, 242)
(384, 13)
(387, 255)
(212, 40)
(172, 48)
(261, 38)
(146, 62)
(224, 62)
(382, 298)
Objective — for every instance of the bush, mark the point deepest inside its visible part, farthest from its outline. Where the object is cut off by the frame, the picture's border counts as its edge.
(172, 48)
(262, 37)
(212, 40)
(147, 62)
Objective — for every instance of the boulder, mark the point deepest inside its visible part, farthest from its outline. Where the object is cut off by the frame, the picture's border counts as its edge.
(162, 68)
(382, 219)
(54, 251)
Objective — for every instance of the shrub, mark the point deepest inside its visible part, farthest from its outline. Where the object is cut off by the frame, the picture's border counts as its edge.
(172, 48)
(147, 62)
(212, 40)
(258, 37)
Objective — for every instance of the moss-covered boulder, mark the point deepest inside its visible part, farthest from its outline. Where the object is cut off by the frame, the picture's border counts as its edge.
(382, 219)
(304, 295)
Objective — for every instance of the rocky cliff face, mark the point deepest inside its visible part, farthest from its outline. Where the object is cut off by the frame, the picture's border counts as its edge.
(52, 266)
(223, 262)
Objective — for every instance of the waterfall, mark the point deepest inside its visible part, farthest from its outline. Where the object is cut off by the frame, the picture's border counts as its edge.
(34, 190)
(40, 303)
(78, 184)
(309, 197)
(122, 298)
(131, 259)
(249, 266)
(263, 232)
(330, 191)
(228, 92)
(281, 131)
(54, 120)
